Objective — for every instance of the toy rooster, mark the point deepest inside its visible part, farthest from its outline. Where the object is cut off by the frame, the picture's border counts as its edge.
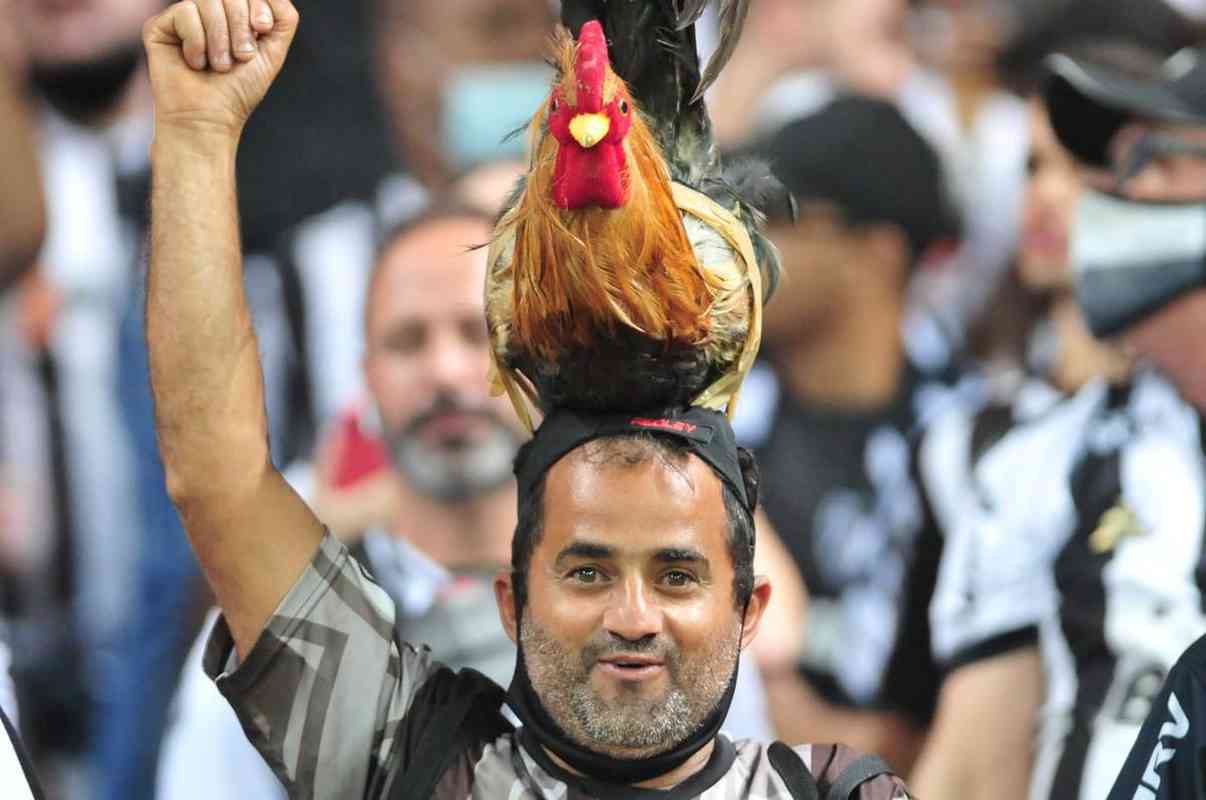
(630, 269)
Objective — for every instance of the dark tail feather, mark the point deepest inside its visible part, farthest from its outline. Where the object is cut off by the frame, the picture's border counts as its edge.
(691, 11)
(732, 22)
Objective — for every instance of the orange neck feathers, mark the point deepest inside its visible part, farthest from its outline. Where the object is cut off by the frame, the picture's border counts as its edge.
(578, 273)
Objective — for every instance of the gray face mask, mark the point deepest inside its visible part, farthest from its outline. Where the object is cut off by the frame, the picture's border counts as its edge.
(1132, 259)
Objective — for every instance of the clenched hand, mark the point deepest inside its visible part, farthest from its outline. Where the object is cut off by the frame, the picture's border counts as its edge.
(212, 61)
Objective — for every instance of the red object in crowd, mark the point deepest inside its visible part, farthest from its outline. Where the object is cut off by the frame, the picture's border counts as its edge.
(357, 455)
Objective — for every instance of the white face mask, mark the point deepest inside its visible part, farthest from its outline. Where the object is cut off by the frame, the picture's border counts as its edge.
(1132, 259)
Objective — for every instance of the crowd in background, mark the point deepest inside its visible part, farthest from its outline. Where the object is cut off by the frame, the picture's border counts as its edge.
(925, 273)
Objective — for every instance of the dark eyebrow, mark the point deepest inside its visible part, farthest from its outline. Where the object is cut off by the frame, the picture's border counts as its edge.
(678, 554)
(585, 550)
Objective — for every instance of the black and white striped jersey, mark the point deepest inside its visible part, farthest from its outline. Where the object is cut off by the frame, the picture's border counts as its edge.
(840, 488)
(1079, 525)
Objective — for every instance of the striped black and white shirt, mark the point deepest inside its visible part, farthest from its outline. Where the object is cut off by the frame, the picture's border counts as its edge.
(1077, 523)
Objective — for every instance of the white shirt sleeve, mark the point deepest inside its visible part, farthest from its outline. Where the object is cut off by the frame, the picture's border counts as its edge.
(1004, 519)
(8, 691)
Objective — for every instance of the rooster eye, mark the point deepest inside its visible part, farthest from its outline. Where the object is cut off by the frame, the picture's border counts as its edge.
(555, 105)
(623, 106)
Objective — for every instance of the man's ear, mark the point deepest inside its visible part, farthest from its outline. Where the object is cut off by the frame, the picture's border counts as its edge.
(759, 599)
(888, 247)
(504, 595)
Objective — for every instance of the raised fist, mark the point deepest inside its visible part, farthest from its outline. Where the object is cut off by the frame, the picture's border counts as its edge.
(212, 61)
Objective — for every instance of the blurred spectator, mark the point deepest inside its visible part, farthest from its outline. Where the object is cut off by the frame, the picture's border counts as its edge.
(831, 414)
(989, 664)
(454, 88)
(22, 228)
(792, 55)
(935, 61)
(958, 102)
(138, 581)
(459, 76)
(1074, 534)
(22, 210)
(974, 52)
(84, 63)
(434, 541)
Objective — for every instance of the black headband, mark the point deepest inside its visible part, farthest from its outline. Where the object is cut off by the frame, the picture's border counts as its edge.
(706, 433)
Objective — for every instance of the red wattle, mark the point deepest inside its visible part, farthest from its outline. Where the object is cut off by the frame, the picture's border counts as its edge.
(594, 177)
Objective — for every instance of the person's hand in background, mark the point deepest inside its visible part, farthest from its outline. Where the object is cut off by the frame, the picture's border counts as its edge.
(355, 488)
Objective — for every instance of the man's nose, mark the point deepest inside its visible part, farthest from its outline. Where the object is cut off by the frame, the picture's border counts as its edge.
(633, 614)
(452, 363)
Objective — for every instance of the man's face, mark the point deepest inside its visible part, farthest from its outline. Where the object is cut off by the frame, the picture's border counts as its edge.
(817, 253)
(426, 362)
(630, 633)
(1052, 192)
(60, 32)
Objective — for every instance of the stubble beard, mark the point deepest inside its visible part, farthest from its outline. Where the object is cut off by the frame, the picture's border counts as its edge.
(631, 726)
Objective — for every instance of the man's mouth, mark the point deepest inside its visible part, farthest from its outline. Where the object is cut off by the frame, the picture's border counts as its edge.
(452, 425)
(632, 667)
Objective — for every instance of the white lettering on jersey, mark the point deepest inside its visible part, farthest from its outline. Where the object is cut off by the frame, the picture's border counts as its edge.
(1176, 729)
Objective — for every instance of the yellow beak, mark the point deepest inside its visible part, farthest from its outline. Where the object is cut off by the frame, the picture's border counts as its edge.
(589, 129)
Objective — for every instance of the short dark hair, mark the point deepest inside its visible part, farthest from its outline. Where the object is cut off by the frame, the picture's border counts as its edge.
(434, 213)
(632, 450)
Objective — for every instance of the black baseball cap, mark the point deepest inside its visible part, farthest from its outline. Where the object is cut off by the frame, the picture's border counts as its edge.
(861, 155)
(1088, 103)
(705, 432)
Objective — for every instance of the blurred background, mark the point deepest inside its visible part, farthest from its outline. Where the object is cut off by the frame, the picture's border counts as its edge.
(914, 115)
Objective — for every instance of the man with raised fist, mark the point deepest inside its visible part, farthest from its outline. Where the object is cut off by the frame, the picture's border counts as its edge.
(630, 593)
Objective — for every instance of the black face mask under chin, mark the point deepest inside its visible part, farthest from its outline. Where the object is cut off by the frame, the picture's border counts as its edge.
(84, 90)
(540, 730)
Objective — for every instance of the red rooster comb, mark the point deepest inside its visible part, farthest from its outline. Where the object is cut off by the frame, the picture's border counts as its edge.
(590, 68)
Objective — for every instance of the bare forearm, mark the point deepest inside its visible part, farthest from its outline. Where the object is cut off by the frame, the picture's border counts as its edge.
(781, 634)
(252, 535)
(960, 762)
(205, 368)
(22, 209)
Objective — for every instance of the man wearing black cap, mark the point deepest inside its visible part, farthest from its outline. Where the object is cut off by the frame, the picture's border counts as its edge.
(631, 590)
(1141, 257)
(831, 412)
